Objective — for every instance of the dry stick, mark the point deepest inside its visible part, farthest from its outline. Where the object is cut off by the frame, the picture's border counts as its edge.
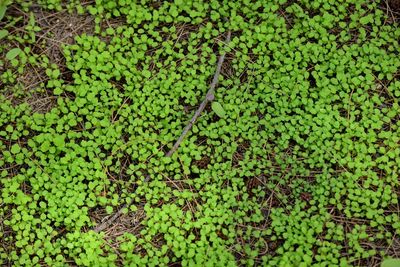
(209, 97)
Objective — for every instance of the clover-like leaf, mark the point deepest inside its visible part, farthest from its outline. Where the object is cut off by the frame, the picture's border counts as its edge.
(59, 141)
(15, 149)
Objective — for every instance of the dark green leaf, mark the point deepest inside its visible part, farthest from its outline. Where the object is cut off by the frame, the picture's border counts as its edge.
(3, 9)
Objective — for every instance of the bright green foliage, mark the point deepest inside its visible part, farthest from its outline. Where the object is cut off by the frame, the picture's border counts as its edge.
(299, 167)
(391, 263)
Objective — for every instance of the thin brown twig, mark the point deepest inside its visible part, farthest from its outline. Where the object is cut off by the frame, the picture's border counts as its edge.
(209, 97)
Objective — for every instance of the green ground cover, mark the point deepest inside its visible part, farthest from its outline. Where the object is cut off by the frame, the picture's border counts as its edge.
(295, 163)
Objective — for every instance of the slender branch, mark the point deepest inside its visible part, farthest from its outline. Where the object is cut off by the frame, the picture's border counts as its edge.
(109, 221)
(209, 97)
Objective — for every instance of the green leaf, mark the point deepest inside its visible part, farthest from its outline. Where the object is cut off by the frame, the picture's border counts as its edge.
(15, 149)
(3, 33)
(391, 263)
(218, 109)
(56, 73)
(3, 9)
(366, 19)
(45, 146)
(109, 209)
(59, 141)
(13, 53)
(58, 91)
